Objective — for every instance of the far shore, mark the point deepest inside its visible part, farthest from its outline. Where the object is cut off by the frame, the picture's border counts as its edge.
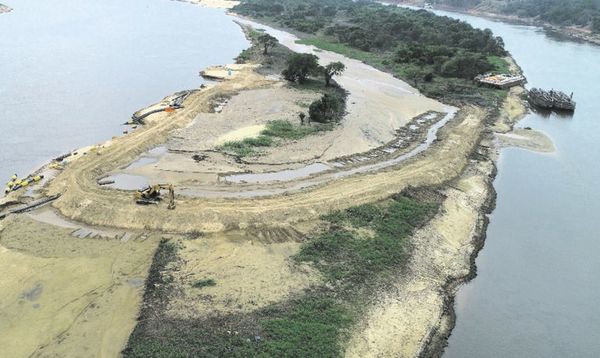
(4, 9)
(574, 33)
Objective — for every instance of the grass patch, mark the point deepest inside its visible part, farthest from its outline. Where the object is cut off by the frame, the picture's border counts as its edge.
(274, 131)
(500, 64)
(208, 282)
(286, 130)
(348, 260)
(247, 147)
(337, 47)
(314, 324)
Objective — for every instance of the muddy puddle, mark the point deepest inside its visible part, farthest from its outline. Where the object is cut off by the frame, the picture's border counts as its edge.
(340, 172)
(283, 175)
(300, 178)
(127, 181)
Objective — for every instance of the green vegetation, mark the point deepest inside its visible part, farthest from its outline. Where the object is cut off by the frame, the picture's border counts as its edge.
(313, 324)
(330, 108)
(247, 147)
(500, 64)
(300, 66)
(436, 54)
(333, 69)
(348, 260)
(266, 41)
(557, 12)
(208, 282)
(340, 48)
(286, 130)
(274, 131)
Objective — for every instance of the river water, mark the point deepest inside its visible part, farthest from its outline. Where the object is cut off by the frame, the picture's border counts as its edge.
(71, 71)
(537, 293)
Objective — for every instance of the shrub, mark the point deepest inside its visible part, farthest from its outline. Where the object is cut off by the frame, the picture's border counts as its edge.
(208, 282)
(330, 108)
(300, 66)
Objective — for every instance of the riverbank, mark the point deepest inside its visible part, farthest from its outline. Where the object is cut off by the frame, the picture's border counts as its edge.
(571, 32)
(4, 9)
(224, 244)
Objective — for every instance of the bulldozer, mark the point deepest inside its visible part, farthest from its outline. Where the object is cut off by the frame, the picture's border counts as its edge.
(152, 195)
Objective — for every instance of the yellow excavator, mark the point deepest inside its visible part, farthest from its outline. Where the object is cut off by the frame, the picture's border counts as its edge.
(151, 195)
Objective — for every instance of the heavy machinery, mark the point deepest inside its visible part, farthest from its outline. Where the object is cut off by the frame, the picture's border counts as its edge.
(151, 195)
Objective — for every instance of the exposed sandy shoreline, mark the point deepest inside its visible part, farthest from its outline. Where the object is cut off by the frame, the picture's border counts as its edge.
(412, 320)
(4, 9)
(216, 4)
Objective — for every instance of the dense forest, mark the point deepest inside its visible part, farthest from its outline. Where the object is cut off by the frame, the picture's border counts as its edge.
(558, 12)
(437, 54)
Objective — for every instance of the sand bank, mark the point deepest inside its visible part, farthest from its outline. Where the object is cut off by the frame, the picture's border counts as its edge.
(217, 4)
(4, 9)
(527, 139)
(66, 296)
(250, 272)
(416, 317)
(225, 72)
(402, 321)
(419, 303)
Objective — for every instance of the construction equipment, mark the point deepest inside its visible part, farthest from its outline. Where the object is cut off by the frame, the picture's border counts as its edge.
(151, 195)
(15, 184)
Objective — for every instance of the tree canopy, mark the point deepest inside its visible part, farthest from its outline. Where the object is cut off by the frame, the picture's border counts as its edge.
(412, 37)
(329, 108)
(558, 12)
(300, 66)
(333, 69)
(267, 41)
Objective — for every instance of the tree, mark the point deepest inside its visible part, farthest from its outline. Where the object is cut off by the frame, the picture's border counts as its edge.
(300, 66)
(466, 65)
(267, 41)
(596, 24)
(333, 69)
(327, 109)
(415, 75)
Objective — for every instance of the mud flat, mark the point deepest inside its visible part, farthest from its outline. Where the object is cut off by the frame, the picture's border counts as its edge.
(527, 139)
(64, 295)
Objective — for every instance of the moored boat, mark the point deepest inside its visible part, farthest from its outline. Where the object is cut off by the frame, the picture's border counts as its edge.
(552, 99)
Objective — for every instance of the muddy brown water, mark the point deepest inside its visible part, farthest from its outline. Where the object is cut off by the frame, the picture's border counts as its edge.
(538, 286)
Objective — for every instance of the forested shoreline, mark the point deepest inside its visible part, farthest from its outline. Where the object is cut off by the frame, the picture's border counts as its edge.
(438, 55)
(578, 13)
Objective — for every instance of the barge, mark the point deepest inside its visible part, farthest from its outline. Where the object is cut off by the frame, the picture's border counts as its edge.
(552, 99)
(501, 81)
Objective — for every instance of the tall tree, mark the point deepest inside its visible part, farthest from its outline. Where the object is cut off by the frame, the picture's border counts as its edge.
(267, 41)
(333, 69)
(300, 66)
